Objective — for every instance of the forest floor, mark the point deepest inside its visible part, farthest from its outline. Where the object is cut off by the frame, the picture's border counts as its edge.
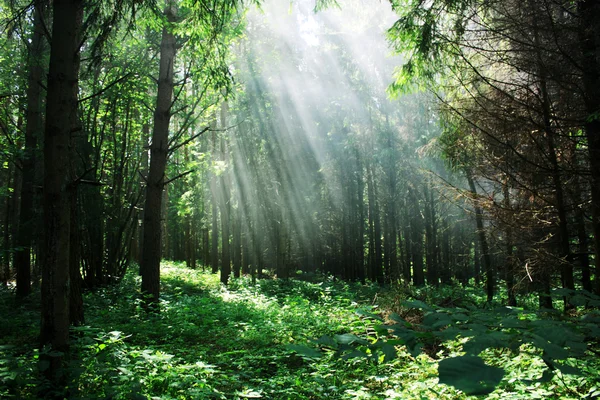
(300, 340)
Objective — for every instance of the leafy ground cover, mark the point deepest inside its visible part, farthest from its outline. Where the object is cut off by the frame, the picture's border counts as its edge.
(300, 340)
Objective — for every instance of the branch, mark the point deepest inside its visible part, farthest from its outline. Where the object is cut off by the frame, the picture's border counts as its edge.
(143, 177)
(178, 176)
(89, 182)
(172, 149)
(106, 88)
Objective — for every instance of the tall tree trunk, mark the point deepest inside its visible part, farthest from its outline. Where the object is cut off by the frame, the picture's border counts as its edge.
(214, 201)
(371, 269)
(509, 262)
(237, 244)
(446, 256)
(490, 279)
(562, 231)
(416, 233)
(150, 266)
(33, 131)
(589, 39)
(61, 107)
(582, 237)
(225, 204)
(6, 236)
(430, 237)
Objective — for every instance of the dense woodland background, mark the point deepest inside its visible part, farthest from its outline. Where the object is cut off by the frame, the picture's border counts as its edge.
(402, 145)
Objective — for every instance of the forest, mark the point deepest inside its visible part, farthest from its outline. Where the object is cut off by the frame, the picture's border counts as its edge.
(302, 199)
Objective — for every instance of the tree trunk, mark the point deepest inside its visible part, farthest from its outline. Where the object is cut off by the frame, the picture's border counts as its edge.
(225, 204)
(430, 237)
(562, 231)
(417, 243)
(214, 201)
(6, 236)
(509, 262)
(237, 244)
(33, 131)
(150, 266)
(582, 237)
(589, 39)
(61, 107)
(483, 244)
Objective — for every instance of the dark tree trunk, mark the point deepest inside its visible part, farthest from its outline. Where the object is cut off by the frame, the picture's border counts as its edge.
(562, 231)
(589, 39)
(214, 248)
(33, 131)
(417, 243)
(509, 262)
(6, 236)
(445, 273)
(225, 205)
(237, 245)
(61, 108)
(150, 266)
(490, 279)
(371, 269)
(582, 237)
(430, 237)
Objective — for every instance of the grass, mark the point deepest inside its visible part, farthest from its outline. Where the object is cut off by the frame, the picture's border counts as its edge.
(274, 340)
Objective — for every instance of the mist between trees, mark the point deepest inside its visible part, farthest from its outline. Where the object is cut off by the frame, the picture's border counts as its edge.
(401, 143)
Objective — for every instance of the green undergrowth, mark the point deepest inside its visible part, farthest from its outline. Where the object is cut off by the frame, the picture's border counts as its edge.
(292, 339)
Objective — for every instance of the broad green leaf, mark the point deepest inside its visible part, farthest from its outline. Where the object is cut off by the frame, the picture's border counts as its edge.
(367, 314)
(568, 369)
(327, 341)
(348, 338)
(547, 376)
(437, 320)
(512, 322)
(389, 352)
(304, 351)
(396, 318)
(551, 350)
(578, 300)
(417, 304)
(469, 374)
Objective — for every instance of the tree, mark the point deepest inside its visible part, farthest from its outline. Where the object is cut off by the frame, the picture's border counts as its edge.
(159, 147)
(32, 135)
(61, 112)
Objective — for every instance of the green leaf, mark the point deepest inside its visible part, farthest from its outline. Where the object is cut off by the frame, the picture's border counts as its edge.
(437, 320)
(551, 350)
(512, 322)
(546, 377)
(327, 341)
(348, 338)
(389, 352)
(354, 354)
(568, 369)
(417, 304)
(368, 314)
(578, 300)
(396, 318)
(469, 374)
(304, 351)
